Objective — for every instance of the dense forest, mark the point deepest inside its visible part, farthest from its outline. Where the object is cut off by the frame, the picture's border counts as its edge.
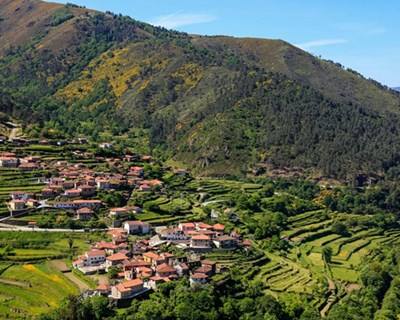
(219, 105)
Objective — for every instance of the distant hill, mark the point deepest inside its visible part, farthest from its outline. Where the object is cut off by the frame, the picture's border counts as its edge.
(396, 88)
(217, 104)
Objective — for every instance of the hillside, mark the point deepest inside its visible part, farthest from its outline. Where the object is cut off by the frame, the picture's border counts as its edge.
(216, 104)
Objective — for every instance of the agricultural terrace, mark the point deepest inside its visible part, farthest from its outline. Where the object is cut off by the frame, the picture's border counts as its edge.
(32, 279)
(301, 243)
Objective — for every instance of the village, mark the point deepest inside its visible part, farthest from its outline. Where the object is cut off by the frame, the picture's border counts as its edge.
(143, 264)
(135, 255)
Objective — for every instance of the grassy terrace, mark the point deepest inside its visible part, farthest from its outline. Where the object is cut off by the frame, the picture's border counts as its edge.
(30, 284)
(32, 289)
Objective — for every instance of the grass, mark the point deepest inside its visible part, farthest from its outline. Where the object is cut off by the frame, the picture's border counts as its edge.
(31, 246)
(44, 290)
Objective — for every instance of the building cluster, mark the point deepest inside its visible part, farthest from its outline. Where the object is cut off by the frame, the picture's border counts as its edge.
(197, 236)
(29, 163)
(73, 187)
(140, 266)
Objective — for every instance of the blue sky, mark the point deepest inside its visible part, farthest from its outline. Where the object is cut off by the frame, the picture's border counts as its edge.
(360, 34)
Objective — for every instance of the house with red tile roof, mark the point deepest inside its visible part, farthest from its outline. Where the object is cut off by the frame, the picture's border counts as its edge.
(198, 279)
(187, 226)
(17, 205)
(93, 204)
(127, 289)
(165, 270)
(200, 242)
(48, 193)
(225, 242)
(72, 193)
(153, 258)
(119, 212)
(93, 257)
(103, 289)
(115, 260)
(87, 191)
(172, 234)
(108, 247)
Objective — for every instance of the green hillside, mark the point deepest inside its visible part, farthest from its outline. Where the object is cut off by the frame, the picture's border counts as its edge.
(217, 104)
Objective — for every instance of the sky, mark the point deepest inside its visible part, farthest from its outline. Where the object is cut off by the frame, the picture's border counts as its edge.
(359, 34)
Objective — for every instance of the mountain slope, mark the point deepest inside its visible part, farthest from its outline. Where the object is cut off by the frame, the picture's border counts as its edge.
(218, 104)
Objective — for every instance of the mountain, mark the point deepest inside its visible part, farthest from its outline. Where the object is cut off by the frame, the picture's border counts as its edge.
(397, 88)
(217, 104)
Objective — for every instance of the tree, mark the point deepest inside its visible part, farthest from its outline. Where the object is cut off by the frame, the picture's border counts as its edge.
(113, 272)
(340, 228)
(327, 255)
(70, 243)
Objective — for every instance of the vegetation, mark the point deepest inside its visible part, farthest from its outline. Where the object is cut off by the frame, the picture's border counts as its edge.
(216, 105)
(205, 101)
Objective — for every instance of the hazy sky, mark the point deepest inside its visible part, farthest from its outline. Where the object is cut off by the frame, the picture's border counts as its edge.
(360, 34)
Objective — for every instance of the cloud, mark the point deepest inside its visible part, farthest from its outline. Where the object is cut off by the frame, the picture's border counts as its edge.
(176, 20)
(320, 43)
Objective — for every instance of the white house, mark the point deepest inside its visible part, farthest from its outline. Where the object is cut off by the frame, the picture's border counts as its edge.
(172, 234)
(91, 258)
(136, 227)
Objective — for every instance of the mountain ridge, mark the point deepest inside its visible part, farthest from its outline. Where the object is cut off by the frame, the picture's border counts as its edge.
(218, 104)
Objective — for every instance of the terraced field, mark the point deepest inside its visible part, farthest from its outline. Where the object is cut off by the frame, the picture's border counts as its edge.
(32, 289)
(303, 269)
(284, 275)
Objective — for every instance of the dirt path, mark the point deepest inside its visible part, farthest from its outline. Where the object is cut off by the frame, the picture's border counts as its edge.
(331, 299)
(14, 283)
(15, 131)
(62, 266)
(78, 282)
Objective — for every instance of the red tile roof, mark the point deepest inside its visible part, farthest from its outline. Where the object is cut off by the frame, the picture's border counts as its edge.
(132, 283)
(85, 211)
(199, 276)
(165, 268)
(200, 237)
(117, 257)
(152, 255)
(218, 227)
(95, 252)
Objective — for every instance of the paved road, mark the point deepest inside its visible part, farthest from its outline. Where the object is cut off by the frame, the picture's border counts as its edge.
(7, 227)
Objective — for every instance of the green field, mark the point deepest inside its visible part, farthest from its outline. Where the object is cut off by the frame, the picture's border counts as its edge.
(32, 289)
